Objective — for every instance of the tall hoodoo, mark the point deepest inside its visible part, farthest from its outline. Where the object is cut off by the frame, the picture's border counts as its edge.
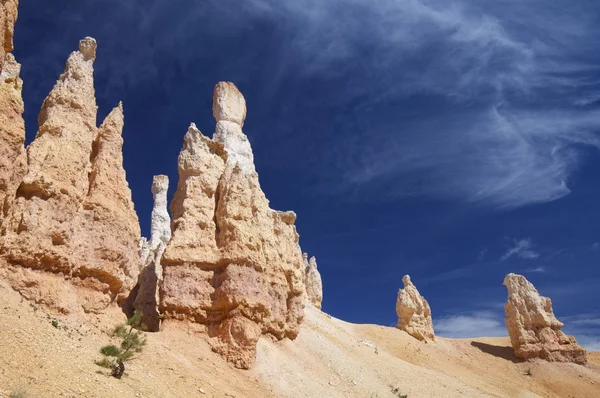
(72, 213)
(314, 285)
(13, 161)
(533, 329)
(233, 264)
(414, 314)
(150, 279)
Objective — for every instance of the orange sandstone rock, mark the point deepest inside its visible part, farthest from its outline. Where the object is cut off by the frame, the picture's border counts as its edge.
(533, 329)
(414, 314)
(232, 264)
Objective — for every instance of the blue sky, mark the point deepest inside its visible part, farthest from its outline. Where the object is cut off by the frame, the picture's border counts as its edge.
(455, 141)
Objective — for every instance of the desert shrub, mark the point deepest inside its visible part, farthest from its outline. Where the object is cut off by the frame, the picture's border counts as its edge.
(396, 392)
(131, 342)
(16, 394)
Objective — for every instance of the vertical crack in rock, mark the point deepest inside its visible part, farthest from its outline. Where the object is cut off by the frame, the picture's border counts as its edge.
(233, 264)
(414, 314)
(533, 329)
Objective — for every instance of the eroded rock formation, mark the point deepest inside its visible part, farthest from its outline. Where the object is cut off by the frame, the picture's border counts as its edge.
(70, 215)
(533, 329)
(314, 285)
(8, 17)
(414, 314)
(147, 296)
(233, 264)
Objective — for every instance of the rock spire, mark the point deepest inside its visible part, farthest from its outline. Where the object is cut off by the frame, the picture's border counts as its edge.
(314, 285)
(150, 279)
(233, 264)
(414, 314)
(533, 329)
(70, 215)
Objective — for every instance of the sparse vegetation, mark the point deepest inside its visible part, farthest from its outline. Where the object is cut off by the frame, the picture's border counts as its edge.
(396, 391)
(17, 394)
(132, 341)
(528, 372)
(55, 323)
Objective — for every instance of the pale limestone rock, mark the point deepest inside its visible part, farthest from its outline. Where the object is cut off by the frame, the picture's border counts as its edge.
(147, 296)
(533, 329)
(72, 213)
(414, 314)
(314, 285)
(233, 264)
(13, 161)
(229, 104)
(8, 17)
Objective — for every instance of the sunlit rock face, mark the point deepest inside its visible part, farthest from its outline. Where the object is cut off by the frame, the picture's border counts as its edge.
(233, 264)
(8, 17)
(533, 329)
(414, 314)
(147, 295)
(70, 216)
(314, 285)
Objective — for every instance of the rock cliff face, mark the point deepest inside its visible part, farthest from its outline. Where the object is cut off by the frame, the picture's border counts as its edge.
(8, 17)
(233, 264)
(314, 285)
(147, 296)
(533, 329)
(70, 215)
(414, 314)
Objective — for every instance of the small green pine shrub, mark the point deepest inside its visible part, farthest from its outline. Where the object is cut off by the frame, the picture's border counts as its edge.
(17, 394)
(55, 323)
(132, 341)
(528, 372)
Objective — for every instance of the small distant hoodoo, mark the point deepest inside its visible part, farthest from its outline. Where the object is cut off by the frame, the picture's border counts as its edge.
(414, 314)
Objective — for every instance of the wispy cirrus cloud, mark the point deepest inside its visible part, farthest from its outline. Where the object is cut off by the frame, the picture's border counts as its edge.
(523, 249)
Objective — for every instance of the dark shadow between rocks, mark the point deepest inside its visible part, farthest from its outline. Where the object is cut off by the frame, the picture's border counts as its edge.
(503, 352)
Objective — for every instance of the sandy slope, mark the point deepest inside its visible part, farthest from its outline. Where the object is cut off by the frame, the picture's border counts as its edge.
(330, 358)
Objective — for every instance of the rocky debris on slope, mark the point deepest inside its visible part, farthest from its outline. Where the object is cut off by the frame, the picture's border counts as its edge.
(8, 17)
(314, 285)
(72, 213)
(414, 314)
(233, 264)
(533, 329)
(147, 295)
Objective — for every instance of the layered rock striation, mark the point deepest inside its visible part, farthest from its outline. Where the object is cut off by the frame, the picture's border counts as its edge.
(233, 264)
(533, 329)
(67, 210)
(8, 17)
(414, 314)
(314, 285)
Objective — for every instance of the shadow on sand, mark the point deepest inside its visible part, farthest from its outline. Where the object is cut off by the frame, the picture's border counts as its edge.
(497, 351)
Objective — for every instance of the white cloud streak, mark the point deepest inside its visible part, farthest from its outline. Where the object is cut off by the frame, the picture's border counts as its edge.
(523, 249)
(516, 72)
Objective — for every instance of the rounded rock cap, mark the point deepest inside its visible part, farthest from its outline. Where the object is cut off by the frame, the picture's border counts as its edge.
(87, 47)
(406, 280)
(229, 104)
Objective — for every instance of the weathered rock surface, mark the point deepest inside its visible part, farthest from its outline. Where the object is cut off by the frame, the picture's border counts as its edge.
(13, 161)
(414, 314)
(72, 213)
(533, 329)
(314, 285)
(233, 264)
(147, 296)
(8, 17)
